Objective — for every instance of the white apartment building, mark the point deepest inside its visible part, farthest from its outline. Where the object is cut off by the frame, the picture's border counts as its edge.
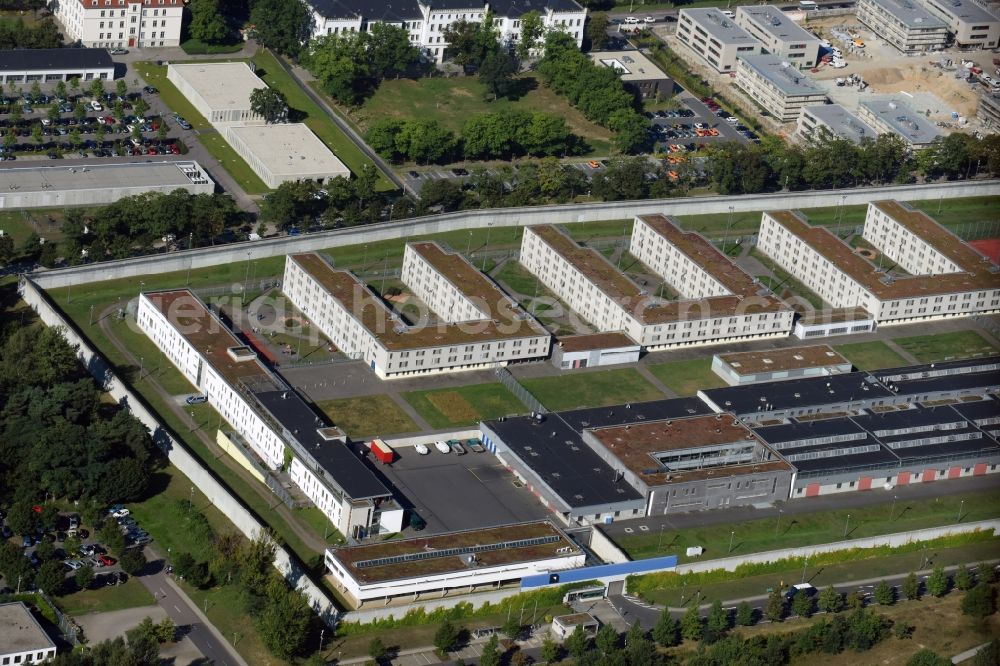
(822, 121)
(457, 562)
(779, 34)
(426, 20)
(265, 412)
(478, 325)
(776, 86)
(718, 39)
(844, 279)
(719, 302)
(897, 117)
(904, 24)
(121, 23)
(971, 25)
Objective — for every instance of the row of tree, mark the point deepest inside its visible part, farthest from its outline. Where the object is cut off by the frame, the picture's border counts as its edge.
(17, 34)
(138, 647)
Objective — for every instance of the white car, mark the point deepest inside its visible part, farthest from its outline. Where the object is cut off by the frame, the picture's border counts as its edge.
(631, 20)
(421, 449)
(95, 105)
(120, 513)
(649, 19)
(442, 447)
(73, 564)
(838, 64)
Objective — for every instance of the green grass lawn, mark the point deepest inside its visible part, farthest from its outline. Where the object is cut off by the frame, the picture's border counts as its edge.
(803, 529)
(19, 224)
(227, 611)
(197, 47)
(368, 416)
(156, 75)
(871, 355)
(314, 117)
(785, 281)
(947, 346)
(451, 101)
(953, 212)
(130, 594)
(466, 405)
(687, 377)
(592, 389)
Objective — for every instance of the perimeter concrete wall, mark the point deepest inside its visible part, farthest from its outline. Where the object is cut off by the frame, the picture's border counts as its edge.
(502, 217)
(179, 456)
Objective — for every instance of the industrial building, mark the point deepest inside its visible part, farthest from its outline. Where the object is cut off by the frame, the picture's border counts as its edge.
(96, 184)
(270, 417)
(591, 350)
(427, 22)
(830, 121)
(285, 152)
(946, 277)
(988, 110)
(715, 37)
(638, 73)
(776, 86)
(47, 65)
(779, 34)
(22, 639)
(720, 302)
(971, 24)
(753, 367)
(904, 24)
(890, 115)
(116, 24)
(220, 91)
(479, 325)
(454, 563)
(828, 322)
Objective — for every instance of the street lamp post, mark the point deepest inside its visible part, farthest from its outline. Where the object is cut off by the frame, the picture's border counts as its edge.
(804, 565)
(246, 277)
(486, 250)
(847, 525)
(960, 509)
(777, 522)
(729, 226)
(732, 535)
(892, 510)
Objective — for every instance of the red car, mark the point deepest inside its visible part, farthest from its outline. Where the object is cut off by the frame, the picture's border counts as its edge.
(108, 120)
(107, 560)
(175, 149)
(151, 151)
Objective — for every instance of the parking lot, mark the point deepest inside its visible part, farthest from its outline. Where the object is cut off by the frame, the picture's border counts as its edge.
(459, 492)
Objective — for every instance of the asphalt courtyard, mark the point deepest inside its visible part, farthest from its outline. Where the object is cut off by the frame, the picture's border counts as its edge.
(453, 492)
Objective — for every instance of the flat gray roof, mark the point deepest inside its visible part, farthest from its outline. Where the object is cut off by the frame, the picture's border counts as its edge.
(911, 14)
(964, 10)
(788, 78)
(289, 149)
(841, 122)
(631, 65)
(223, 85)
(719, 26)
(96, 176)
(20, 631)
(771, 19)
(903, 120)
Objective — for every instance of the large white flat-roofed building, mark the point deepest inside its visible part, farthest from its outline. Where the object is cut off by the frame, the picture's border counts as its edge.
(220, 91)
(269, 416)
(971, 24)
(753, 367)
(779, 88)
(454, 563)
(22, 639)
(720, 303)
(44, 65)
(824, 121)
(478, 326)
(637, 72)
(715, 37)
(285, 152)
(427, 20)
(95, 184)
(989, 110)
(904, 24)
(897, 117)
(779, 34)
(949, 278)
(121, 23)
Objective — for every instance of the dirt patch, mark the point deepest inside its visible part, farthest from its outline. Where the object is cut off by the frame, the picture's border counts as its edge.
(454, 406)
(884, 76)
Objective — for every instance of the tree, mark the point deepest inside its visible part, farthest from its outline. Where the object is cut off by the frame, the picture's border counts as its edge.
(36, 133)
(885, 594)
(74, 137)
(97, 88)
(166, 631)
(52, 113)
(280, 25)
(744, 614)
(446, 637)
(74, 84)
(511, 628)
(283, 619)
(631, 131)
(60, 90)
(986, 572)
(51, 578)
(36, 91)
(121, 87)
(389, 51)
(269, 103)
(639, 650)
(595, 33)
(469, 42)
(491, 652)
(141, 106)
(667, 630)
(207, 24)
(531, 34)
(606, 639)
(79, 111)
(718, 619)
(550, 650)
(911, 587)
(979, 602)
(692, 628)
(938, 582)
(496, 72)
(377, 650)
(803, 605)
(776, 606)
(927, 657)
(21, 518)
(831, 601)
(963, 578)
(577, 643)
(84, 576)
(132, 561)
(333, 59)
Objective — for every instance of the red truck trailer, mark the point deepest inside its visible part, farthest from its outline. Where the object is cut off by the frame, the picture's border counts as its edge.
(382, 451)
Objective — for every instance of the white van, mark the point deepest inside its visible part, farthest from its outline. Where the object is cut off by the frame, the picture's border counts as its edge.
(728, 13)
(631, 20)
